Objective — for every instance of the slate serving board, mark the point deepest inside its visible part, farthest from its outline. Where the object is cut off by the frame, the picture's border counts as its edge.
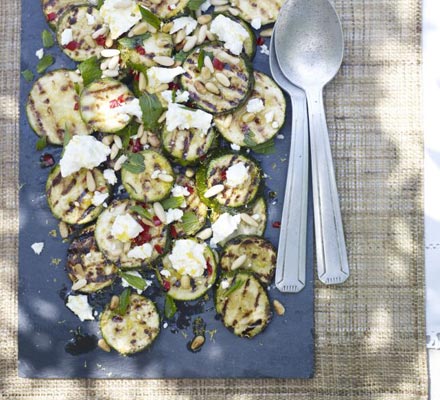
(53, 343)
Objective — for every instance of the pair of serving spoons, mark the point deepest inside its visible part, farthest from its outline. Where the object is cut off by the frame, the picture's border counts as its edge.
(306, 52)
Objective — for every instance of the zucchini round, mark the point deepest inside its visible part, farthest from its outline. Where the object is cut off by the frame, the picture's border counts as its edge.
(52, 106)
(77, 18)
(142, 186)
(237, 69)
(53, 9)
(99, 104)
(135, 330)
(261, 256)
(265, 10)
(156, 234)
(70, 200)
(182, 286)
(266, 123)
(85, 261)
(165, 9)
(243, 304)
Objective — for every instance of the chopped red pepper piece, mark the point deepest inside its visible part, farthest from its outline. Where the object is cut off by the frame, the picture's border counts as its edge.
(190, 189)
(144, 236)
(158, 248)
(100, 40)
(223, 174)
(173, 232)
(51, 16)
(276, 224)
(73, 45)
(76, 107)
(173, 86)
(136, 145)
(140, 50)
(209, 267)
(46, 160)
(121, 99)
(218, 65)
(166, 285)
(114, 103)
(260, 41)
(156, 221)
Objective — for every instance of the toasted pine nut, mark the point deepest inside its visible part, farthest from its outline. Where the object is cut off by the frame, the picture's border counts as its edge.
(160, 212)
(204, 19)
(167, 27)
(156, 1)
(238, 262)
(140, 131)
(166, 177)
(223, 79)
(191, 41)
(138, 29)
(185, 282)
(248, 117)
(180, 36)
(208, 64)
(91, 184)
(118, 141)
(118, 164)
(162, 87)
(233, 11)
(102, 344)
(153, 140)
(279, 308)
(100, 32)
(189, 173)
(142, 83)
(197, 342)
(214, 191)
(227, 121)
(80, 283)
(109, 53)
(220, 9)
(266, 32)
(212, 87)
(144, 139)
(247, 219)
(114, 302)
(163, 60)
(200, 87)
(64, 229)
(114, 151)
(127, 246)
(201, 36)
(204, 234)
(113, 63)
(219, 2)
(110, 73)
(162, 117)
(89, 40)
(205, 73)
(210, 36)
(107, 140)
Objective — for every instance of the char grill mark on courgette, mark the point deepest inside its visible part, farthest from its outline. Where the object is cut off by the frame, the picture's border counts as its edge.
(165, 9)
(135, 330)
(237, 69)
(70, 200)
(85, 261)
(52, 106)
(53, 9)
(266, 10)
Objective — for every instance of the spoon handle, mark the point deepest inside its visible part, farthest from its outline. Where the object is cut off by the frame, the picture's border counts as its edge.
(331, 252)
(291, 262)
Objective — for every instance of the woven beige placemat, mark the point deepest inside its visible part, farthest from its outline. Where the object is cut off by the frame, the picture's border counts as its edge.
(370, 338)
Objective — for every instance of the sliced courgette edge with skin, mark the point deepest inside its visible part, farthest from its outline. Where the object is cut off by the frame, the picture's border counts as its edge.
(238, 70)
(53, 9)
(134, 331)
(165, 9)
(69, 198)
(245, 310)
(51, 106)
(266, 10)
(85, 261)
(100, 102)
(184, 287)
(75, 18)
(265, 124)
(261, 257)
(142, 186)
(115, 250)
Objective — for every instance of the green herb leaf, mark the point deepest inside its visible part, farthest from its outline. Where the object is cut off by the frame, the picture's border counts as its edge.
(41, 143)
(124, 301)
(141, 211)
(133, 42)
(47, 39)
(189, 222)
(77, 87)
(45, 63)
(133, 280)
(194, 5)
(201, 60)
(151, 111)
(181, 55)
(27, 75)
(170, 307)
(100, 3)
(90, 70)
(149, 17)
(237, 285)
(135, 163)
(173, 202)
(249, 139)
(67, 136)
(265, 148)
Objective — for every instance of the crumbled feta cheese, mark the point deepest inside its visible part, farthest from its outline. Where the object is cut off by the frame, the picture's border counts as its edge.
(158, 75)
(224, 284)
(37, 247)
(187, 257)
(255, 105)
(230, 32)
(269, 116)
(181, 96)
(256, 217)
(235, 147)
(110, 176)
(256, 23)
(165, 273)
(174, 214)
(125, 228)
(90, 19)
(172, 6)
(66, 37)
(99, 198)
(131, 107)
(178, 191)
(187, 23)
(275, 125)
(225, 226)
(264, 49)
(80, 306)
(120, 16)
(155, 174)
(180, 117)
(165, 325)
(143, 252)
(237, 174)
(40, 53)
(125, 284)
(281, 137)
(82, 152)
(204, 6)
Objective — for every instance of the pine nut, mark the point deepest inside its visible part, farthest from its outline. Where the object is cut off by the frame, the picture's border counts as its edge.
(113, 63)
(109, 53)
(201, 36)
(205, 73)
(110, 73)
(138, 29)
(104, 64)
(140, 131)
(160, 212)
(210, 36)
(91, 184)
(180, 37)
(153, 140)
(266, 32)
(227, 58)
(102, 344)
(114, 151)
(214, 191)
(185, 282)
(197, 342)
(118, 164)
(212, 87)
(189, 173)
(200, 87)
(162, 117)
(227, 121)
(161, 88)
(238, 262)
(151, 28)
(114, 303)
(127, 246)
(142, 83)
(220, 9)
(208, 64)
(204, 19)
(279, 308)
(219, 2)
(216, 256)
(166, 177)
(163, 60)
(247, 219)
(100, 32)
(233, 11)
(156, 1)
(204, 234)
(190, 43)
(144, 139)
(89, 40)
(248, 117)
(107, 140)
(64, 230)
(118, 141)
(223, 79)
(80, 283)
(167, 27)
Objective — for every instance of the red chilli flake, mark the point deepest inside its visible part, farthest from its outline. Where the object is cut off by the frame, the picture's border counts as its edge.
(223, 174)
(73, 45)
(140, 50)
(156, 221)
(173, 86)
(100, 40)
(166, 285)
(121, 99)
(51, 16)
(114, 103)
(173, 232)
(209, 267)
(76, 107)
(276, 224)
(158, 248)
(190, 189)
(144, 236)
(218, 65)
(46, 160)
(136, 145)
(260, 41)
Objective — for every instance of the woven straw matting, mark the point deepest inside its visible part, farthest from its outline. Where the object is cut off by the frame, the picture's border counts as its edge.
(370, 339)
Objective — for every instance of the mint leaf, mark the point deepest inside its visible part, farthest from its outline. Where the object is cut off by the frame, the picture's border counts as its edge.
(27, 75)
(67, 136)
(133, 42)
(135, 163)
(201, 60)
(170, 307)
(149, 17)
(194, 5)
(133, 280)
(45, 63)
(124, 301)
(151, 111)
(181, 55)
(141, 211)
(47, 39)
(90, 70)
(190, 222)
(264, 148)
(173, 202)
(41, 143)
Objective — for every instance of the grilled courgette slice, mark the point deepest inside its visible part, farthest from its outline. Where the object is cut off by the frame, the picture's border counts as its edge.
(52, 106)
(101, 105)
(133, 331)
(182, 286)
(154, 233)
(69, 198)
(264, 10)
(83, 21)
(265, 123)
(165, 9)
(53, 9)
(243, 303)
(206, 91)
(85, 261)
(148, 186)
(261, 256)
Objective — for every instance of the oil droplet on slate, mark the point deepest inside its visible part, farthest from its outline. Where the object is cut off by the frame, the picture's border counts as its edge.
(81, 343)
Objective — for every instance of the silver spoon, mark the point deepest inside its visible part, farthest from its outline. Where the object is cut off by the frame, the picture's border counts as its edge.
(291, 262)
(309, 46)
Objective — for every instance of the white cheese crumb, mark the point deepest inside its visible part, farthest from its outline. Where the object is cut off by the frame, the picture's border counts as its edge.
(255, 105)
(99, 198)
(178, 191)
(155, 174)
(256, 23)
(264, 49)
(174, 214)
(143, 252)
(110, 176)
(187, 257)
(131, 107)
(275, 125)
(224, 284)
(165, 325)
(120, 16)
(37, 247)
(90, 19)
(225, 226)
(40, 53)
(180, 117)
(66, 37)
(158, 75)
(269, 116)
(256, 217)
(204, 6)
(235, 147)
(125, 284)
(80, 306)
(230, 32)
(281, 137)
(181, 96)
(187, 23)
(125, 228)
(237, 174)
(165, 273)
